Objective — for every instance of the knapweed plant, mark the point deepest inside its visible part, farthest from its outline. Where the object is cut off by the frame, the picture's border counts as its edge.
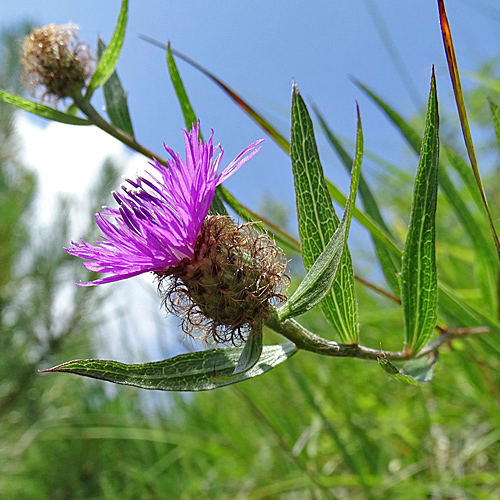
(227, 281)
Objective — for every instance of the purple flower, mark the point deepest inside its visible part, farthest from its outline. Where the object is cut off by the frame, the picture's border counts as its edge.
(159, 216)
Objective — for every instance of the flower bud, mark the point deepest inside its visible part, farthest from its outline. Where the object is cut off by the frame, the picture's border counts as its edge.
(232, 282)
(56, 62)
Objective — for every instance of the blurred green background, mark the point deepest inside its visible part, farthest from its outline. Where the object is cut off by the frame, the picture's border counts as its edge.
(312, 428)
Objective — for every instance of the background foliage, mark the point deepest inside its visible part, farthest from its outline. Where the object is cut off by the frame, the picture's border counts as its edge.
(311, 428)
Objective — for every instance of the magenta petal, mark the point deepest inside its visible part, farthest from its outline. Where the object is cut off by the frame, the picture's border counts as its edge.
(159, 216)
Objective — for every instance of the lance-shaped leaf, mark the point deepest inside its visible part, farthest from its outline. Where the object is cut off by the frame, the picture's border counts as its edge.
(115, 98)
(110, 56)
(418, 275)
(197, 371)
(251, 351)
(318, 221)
(390, 261)
(42, 110)
(321, 276)
(415, 372)
(487, 261)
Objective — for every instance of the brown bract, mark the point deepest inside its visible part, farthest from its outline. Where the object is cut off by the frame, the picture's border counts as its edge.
(234, 280)
(56, 62)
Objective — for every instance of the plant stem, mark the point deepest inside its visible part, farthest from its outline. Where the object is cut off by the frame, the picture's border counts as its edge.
(308, 341)
(91, 113)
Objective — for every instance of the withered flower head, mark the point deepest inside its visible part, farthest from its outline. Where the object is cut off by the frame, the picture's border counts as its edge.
(232, 282)
(56, 62)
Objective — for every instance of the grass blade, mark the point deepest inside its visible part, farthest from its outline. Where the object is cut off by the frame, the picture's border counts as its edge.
(462, 113)
(418, 275)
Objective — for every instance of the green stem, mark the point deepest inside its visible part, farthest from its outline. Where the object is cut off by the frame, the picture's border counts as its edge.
(308, 341)
(91, 113)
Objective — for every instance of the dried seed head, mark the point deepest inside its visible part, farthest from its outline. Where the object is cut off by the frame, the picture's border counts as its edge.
(233, 281)
(56, 62)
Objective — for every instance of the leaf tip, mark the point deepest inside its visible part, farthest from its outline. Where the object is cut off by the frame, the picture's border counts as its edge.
(48, 370)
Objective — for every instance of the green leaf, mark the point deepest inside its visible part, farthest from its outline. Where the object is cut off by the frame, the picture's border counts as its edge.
(197, 371)
(251, 351)
(423, 374)
(462, 113)
(115, 98)
(321, 276)
(187, 110)
(419, 276)
(407, 130)
(42, 110)
(217, 207)
(495, 114)
(318, 221)
(390, 260)
(487, 262)
(110, 56)
(421, 369)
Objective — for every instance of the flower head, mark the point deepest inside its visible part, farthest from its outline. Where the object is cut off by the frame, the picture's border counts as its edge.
(56, 62)
(159, 216)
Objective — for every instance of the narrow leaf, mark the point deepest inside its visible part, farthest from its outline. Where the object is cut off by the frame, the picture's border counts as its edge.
(486, 263)
(462, 113)
(390, 261)
(421, 369)
(110, 56)
(115, 98)
(197, 371)
(321, 276)
(251, 352)
(273, 133)
(406, 129)
(318, 221)
(495, 114)
(42, 110)
(175, 77)
(419, 276)
(217, 207)
(389, 368)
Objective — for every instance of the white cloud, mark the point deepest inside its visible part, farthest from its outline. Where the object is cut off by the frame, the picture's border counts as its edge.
(67, 158)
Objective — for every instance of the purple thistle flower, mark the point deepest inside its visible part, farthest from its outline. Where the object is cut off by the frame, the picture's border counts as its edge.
(160, 216)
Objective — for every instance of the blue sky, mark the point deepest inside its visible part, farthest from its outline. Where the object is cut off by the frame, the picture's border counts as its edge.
(258, 47)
